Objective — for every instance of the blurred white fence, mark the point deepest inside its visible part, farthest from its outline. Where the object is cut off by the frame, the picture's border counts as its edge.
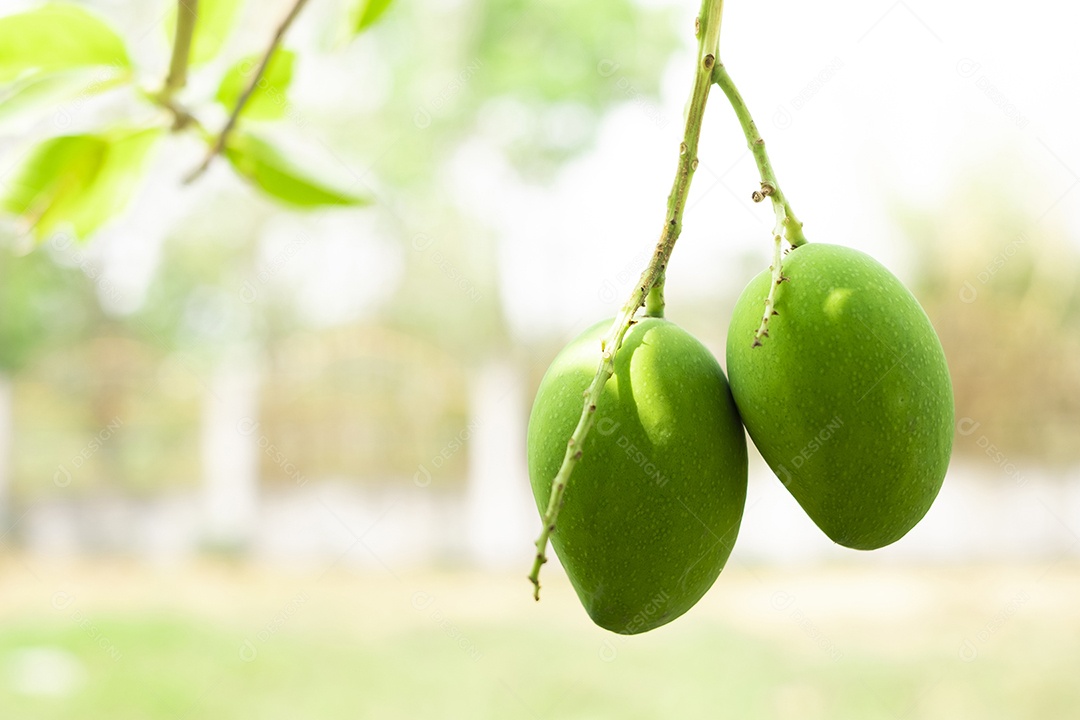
(976, 517)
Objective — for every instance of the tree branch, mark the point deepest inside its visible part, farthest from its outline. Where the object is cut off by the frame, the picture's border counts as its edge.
(187, 12)
(230, 124)
(708, 34)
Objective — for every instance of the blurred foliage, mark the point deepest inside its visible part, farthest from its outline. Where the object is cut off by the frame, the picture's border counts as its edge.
(40, 42)
(78, 182)
(370, 399)
(42, 306)
(193, 306)
(267, 101)
(258, 161)
(55, 55)
(368, 13)
(1003, 290)
(527, 82)
(111, 415)
(531, 78)
(551, 68)
(362, 402)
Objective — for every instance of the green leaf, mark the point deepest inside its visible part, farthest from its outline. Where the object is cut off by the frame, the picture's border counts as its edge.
(369, 13)
(269, 100)
(78, 181)
(263, 165)
(51, 91)
(212, 27)
(55, 37)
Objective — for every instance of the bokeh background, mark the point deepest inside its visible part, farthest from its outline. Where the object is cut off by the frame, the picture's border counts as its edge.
(257, 462)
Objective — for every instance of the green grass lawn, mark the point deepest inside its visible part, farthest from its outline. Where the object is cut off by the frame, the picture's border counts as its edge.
(107, 640)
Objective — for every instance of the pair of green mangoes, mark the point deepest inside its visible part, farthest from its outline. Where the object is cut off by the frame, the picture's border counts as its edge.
(848, 399)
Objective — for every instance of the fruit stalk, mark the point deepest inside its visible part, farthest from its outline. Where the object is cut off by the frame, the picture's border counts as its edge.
(707, 31)
(787, 225)
(654, 301)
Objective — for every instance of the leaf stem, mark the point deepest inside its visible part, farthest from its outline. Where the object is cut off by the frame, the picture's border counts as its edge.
(652, 279)
(253, 83)
(787, 225)
(187, 12)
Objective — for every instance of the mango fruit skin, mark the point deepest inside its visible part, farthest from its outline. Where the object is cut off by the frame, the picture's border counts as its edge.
(652, 509)
(848, 398)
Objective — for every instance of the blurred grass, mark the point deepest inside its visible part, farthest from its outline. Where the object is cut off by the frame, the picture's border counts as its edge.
(230, 641)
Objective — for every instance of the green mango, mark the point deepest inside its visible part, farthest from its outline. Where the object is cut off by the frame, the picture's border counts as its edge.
(848, 397)
(652, 509)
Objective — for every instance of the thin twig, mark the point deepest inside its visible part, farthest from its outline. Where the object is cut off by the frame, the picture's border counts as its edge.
(187, 12)
(230, 124)
(708, 32)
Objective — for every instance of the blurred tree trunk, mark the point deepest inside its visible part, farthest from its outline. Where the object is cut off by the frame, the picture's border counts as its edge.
(230, 445)
(500, 517)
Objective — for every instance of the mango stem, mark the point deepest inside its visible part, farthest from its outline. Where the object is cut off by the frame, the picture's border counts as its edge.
(787, 225)
(650, 287)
